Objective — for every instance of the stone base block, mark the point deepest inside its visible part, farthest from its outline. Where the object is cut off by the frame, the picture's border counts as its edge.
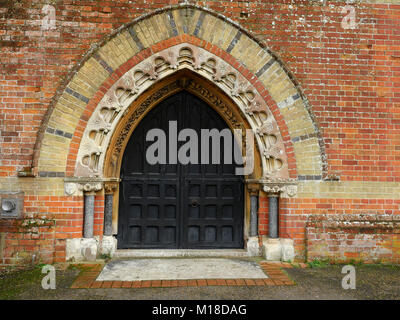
(287, 250)
(253, 247)
(108, 245)
(272, 249)
(81, 249)
(278, 249)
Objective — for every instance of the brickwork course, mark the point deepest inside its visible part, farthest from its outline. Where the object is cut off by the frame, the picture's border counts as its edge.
(333, 91)
(276, 277)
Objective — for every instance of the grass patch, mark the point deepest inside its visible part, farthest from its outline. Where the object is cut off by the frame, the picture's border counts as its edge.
(80, 267)
(318, 263)
(106, 257)
(15, 282)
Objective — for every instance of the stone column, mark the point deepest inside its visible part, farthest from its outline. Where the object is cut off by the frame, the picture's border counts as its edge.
(86, 248)
(108, 207)
(253, 246)
(274, 248)
(109, 242)
(253, 191)
(89, 190)
(273, 215)
(89, 215)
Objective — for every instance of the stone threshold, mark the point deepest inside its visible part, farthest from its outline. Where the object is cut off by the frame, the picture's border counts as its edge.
(276, 277)
(177, 253)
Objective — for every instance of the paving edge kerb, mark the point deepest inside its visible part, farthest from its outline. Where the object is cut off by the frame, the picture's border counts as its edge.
(276, 277)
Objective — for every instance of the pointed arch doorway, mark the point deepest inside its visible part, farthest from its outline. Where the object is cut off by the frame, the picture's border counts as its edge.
(181, 206)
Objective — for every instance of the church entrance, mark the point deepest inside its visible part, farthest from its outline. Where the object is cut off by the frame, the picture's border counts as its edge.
(175, 205)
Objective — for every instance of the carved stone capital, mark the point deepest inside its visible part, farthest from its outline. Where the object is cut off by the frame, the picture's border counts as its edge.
(276, 187)
(91, 187)
(253, 189)
(79, 186)
(283, 190)
(110, 187)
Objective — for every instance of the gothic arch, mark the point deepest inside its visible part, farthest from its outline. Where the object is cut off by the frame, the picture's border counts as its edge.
(75, 135)
(119, 101)
(170, 85)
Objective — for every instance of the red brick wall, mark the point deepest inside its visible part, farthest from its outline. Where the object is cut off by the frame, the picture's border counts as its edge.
(367, 238)
(296, 213)
(350, 77)
(63, 219)
(299, 217)
(48, 221)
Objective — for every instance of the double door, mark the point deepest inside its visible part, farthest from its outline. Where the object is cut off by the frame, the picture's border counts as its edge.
(175, 205)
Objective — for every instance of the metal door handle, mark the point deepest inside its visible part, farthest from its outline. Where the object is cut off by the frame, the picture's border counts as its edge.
(195, 203)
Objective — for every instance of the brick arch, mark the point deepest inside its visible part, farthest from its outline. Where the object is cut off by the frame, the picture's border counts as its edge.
(123, 98)
(61, 136)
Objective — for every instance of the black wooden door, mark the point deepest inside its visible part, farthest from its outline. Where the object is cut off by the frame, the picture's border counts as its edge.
(178, 205)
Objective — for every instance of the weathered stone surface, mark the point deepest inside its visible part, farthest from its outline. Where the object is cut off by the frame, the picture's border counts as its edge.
(180, 269)
(272, 249)
(181, 253)
(253, 247)
(81, 249)
(108, 245)
(287, 250)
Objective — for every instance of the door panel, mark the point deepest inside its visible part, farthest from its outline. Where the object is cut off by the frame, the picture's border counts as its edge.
(213, 213)
(150, 213)
(176, 205)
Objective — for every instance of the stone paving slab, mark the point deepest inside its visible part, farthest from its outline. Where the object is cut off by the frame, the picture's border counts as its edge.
(180, 269)
(275, 277)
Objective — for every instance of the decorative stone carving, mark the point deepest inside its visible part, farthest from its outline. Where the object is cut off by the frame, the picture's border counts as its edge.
(91, 187)
(217, 102)
(119, 98)
(255, 107)
(267, 128)
(71, 189)
(285, 189)
(76, 187)
(290, 191)
(253, 189)
(110, 187)
(133, 118)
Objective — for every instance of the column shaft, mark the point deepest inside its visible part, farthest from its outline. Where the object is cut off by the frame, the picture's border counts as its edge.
(273, 224)
(253, 215)
(108, 213)
(89, 216)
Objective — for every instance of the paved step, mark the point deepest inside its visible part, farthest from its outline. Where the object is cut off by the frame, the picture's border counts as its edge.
(172, 253)
(180, 269)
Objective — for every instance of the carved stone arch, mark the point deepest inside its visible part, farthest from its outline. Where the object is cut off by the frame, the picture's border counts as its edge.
(75, 133)
(181, 80)
(116, 105)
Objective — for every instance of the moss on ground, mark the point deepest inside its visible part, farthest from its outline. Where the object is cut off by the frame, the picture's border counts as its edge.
(15, 282)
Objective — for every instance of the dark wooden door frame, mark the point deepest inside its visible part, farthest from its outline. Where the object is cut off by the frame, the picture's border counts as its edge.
(182, 201)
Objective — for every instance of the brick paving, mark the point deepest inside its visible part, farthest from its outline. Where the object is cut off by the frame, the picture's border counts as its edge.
(274, 270)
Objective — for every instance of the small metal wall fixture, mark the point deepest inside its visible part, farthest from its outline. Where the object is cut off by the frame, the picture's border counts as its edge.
(11, 205)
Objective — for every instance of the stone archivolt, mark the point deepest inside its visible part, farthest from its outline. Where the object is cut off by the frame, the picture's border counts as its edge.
(119, 98)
